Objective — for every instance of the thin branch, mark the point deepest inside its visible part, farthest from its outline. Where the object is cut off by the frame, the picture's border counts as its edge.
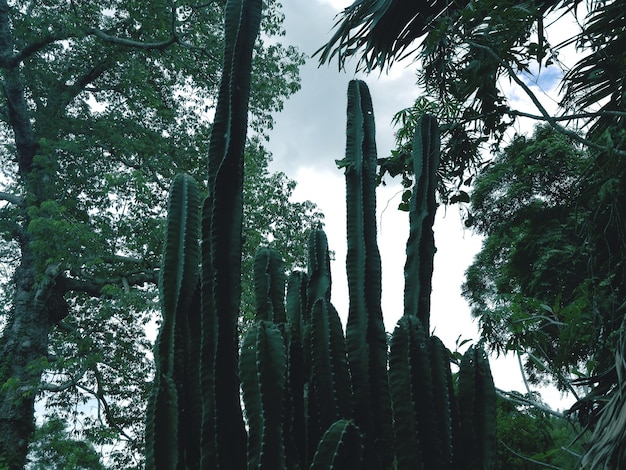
(568, 117)
(32, 49)
(93, 286)
(521, 369)
(99, 396)
(528, 459)
(50, 387)
(122, 259)
(521, 400)
(12, 198)
(159, 45)
(544, 113)
(554, 370)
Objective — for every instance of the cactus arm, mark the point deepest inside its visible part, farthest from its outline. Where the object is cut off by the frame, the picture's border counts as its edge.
(319, 278)
(263, 370)
(208, 344)
(297, 367)
(405, 339)
(225, 182)
(420, 248)
(485, 414)
(366, 339)
(477, 410)
(178, 280)
(269, 285)
(442, 401)
(181, 253)
(296, 302)
(341, 447)
(329, 371)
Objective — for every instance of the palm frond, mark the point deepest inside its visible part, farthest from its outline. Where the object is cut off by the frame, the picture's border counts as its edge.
(382, 29)
(608, 441)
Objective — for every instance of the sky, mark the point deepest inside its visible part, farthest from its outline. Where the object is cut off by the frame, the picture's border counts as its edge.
(309, 135)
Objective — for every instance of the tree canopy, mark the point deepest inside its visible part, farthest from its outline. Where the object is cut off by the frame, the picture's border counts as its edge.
(103, 104)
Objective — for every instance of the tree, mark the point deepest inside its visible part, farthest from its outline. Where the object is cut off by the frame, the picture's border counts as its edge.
(547, 282)
(103, 103)
(55, 449)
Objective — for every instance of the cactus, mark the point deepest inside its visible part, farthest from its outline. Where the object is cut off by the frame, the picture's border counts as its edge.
(313, 398)
(420, 247)
(341, 447)
(366, 340)
(166, 438)
(224, 207)
(330, 392)
(477, 410)
(263, 371)
(269, 285)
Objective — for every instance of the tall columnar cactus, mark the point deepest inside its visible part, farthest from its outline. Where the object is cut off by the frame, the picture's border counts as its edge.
(200, 319)
(366, 340)
(263, 372)
(224, 207)
(477, 411)
(313, 398)
(420, 249)
(168, 421)
(269, 285)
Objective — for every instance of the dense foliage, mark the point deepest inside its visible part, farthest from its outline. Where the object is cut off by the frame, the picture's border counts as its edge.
(103, 103)
(530, 438)
(54, 449)
(548, 281)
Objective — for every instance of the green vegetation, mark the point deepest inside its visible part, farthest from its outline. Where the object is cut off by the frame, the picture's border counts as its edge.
(311, 397)
(549, 282)
(103, 103)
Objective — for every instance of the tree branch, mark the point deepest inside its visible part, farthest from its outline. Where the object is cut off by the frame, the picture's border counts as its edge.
(521, 400)
(528, 459)
(567, 117)
(544, 113)
(93, 287)
(32, 49)
(99, 396)
(12, 198)
(51, 387)
(159, 45)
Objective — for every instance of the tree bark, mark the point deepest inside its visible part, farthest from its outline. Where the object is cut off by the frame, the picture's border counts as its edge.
(24, 346)
(24, 340)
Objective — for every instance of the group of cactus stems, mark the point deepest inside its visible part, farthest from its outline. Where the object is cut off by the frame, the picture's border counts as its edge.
(298, 393)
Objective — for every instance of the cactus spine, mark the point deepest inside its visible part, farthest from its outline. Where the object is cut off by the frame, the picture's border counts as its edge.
(313, 397)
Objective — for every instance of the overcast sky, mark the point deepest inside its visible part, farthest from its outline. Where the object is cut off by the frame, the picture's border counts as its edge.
(309, 136)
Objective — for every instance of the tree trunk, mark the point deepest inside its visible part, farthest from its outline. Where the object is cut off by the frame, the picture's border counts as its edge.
(24, 340)
(24, 346)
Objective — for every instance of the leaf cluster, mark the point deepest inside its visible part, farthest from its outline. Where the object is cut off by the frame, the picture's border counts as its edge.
(546, 281)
